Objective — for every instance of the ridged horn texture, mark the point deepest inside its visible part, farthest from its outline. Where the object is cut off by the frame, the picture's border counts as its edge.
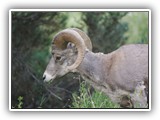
(70, 35)
(85, 37)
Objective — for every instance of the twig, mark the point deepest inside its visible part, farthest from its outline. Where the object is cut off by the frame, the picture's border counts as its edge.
(43, 85)
(38, 81)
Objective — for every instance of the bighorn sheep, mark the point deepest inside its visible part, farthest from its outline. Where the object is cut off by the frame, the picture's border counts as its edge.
(121, 74)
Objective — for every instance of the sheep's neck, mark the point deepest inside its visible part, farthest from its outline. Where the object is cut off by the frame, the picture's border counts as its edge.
(92, 68)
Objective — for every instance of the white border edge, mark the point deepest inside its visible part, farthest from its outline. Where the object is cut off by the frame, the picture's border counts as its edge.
(80, 10)
(10, 60)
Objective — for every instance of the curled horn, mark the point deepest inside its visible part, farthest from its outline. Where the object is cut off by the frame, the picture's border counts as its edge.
(70, 35)
(85, 37)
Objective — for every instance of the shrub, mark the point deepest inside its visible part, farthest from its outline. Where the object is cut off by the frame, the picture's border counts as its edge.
(86, 99)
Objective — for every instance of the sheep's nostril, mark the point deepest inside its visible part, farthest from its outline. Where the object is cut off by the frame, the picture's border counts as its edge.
(44, 76)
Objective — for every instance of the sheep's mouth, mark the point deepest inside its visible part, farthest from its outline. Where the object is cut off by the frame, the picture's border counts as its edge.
(50, 80)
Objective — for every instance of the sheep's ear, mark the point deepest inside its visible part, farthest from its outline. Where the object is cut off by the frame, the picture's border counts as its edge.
(73, 47)
(70, 45)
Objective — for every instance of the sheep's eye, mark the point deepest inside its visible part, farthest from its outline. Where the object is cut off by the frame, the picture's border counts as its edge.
(52, 53)
(58, 58)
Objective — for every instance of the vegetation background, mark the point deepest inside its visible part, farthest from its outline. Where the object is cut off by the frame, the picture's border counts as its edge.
(31, 34)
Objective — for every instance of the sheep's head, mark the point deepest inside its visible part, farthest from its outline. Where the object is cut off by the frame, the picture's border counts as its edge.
(68, 50)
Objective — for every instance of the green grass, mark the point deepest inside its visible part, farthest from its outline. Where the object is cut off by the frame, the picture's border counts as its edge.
(87, 100)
